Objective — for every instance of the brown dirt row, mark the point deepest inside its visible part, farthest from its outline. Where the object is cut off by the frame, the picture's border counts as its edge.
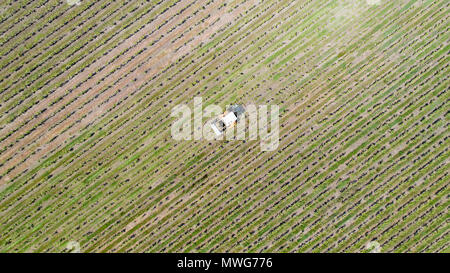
(156, 68)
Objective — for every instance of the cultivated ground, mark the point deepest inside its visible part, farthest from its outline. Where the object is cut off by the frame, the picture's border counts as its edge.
(86, 153)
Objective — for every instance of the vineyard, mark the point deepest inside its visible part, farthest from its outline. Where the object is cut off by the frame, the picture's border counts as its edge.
(86, 153)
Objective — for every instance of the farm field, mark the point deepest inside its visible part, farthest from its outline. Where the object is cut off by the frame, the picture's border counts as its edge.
(87, 158)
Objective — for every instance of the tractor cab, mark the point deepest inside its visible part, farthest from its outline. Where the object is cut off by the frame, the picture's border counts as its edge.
(227, 119)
